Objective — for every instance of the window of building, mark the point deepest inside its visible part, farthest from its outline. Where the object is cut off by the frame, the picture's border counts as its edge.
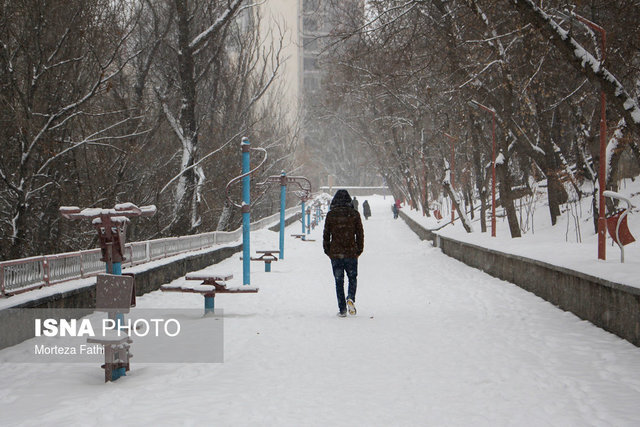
(310, 63)
(311, 6)
(310, 43)
(311, 84)
(310, 23)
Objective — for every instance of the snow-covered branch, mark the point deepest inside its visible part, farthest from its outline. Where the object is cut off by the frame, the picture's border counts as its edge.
(199, 162)
(173, 123)
(478, 74)
(455, 197)
(202, 38)
(613, 146)
(91, 138)
(584, 62)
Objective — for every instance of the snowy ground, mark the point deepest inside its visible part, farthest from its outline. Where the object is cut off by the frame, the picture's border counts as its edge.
(434, 343)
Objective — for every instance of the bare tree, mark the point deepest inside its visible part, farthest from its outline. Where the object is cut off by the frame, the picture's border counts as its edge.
(58, 60)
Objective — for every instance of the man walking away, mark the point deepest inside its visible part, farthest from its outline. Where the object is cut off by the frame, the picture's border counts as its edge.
(354, 202)
(343, 242)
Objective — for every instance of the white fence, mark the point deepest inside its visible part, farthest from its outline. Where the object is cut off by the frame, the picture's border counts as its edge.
(25, 274)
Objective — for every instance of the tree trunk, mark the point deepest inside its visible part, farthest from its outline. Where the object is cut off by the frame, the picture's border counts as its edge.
(186, 202)
(483, 212)
(506, 198)
(446, 185)
(469, 200)
(480, 172)
(553, 189)
(225, 216)
(19, 246)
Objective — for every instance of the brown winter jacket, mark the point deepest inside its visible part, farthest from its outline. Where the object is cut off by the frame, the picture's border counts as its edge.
(343, 236)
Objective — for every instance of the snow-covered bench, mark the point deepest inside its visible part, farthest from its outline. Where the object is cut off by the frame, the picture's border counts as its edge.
(116, 354)
(302, 237)
(210, 285)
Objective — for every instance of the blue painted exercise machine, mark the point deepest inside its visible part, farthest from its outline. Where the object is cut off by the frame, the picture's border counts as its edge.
(303, 191)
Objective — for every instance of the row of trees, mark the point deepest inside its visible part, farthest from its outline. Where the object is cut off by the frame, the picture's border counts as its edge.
(409, 72)
(107, 101)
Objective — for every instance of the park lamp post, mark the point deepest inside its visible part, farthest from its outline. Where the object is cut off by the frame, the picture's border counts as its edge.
(476, 105)
(602, 173)
(453, 154)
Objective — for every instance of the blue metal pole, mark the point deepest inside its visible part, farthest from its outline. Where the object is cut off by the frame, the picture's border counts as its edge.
(246, 215)
(283, 205)
(116, 268)
(308, 221)
(303, 230)
(209, 303)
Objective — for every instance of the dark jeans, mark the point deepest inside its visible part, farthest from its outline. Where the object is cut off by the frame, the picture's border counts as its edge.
(339, 266)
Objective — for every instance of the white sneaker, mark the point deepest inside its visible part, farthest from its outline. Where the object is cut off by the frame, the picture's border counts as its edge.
(351, 307)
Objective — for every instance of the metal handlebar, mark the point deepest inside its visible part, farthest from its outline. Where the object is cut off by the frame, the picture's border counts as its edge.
(618, 196)
(238, 178)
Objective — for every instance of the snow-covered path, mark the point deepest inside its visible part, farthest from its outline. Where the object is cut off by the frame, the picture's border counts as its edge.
(434, 343)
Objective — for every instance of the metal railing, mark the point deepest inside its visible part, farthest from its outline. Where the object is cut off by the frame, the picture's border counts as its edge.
(25, 274)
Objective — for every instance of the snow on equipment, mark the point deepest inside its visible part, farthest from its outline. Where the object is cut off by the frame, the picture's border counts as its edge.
(115, 293)
(617, 223)
(267, 256)
(304, 193)
(211, 284)
(111, 225)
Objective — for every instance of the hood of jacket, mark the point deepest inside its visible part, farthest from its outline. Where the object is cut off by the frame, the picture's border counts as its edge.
(342, 198)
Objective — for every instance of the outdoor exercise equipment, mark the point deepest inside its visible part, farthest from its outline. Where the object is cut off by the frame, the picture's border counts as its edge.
(617, 223)
(245, 206)
(267, 257)
(111, 225)
(115, 293)
(303, 192)
(209, 285)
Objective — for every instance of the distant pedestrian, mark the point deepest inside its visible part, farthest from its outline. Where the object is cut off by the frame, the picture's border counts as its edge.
(366, 209)
(396, 208)
(354, 202)
(343, 242)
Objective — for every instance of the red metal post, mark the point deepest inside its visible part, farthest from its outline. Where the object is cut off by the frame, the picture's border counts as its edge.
(602, 173)
(453, 163)
(476, 104)
(602, 182)
(46, 271)
(81, 265)
(424, 186)
(602, 224)
(493, 174)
